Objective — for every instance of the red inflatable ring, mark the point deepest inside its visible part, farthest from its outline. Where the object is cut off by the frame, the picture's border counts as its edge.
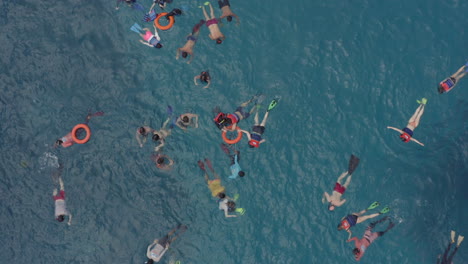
(166, 27)
(88, 133)
(232, 141)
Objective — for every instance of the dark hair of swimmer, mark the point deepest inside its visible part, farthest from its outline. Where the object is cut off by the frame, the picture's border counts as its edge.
(142, 130)
(219, 41)
(60, 218)
(356, 251)
(59, 142)
(185, 119)
(150, 261)
(231, 206)
(184, 54)
(155, 137)
(440, 89)
(250, 146)
(160, 160)
(177, 11)
(158, 46)
(222, 195)
(229, 18)
(241, 173)
(340, 227)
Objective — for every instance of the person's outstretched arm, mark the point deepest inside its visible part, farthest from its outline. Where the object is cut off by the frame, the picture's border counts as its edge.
(396, 129)
(178, 123)
(350, 233)
(195, 79)
(161, 144)
(152, 6)
(237, 18)
(191, 58)
(196, 120)
(228, 215)
(156, 35)
(177, 54)
(247, 133)
(340, 203)
(412, 139)
(145, 43)
(137, 135)
(69, 218)
(208, 84)
(326, 196)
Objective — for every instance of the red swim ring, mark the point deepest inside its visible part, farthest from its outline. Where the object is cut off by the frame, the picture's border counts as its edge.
(232, 141)
(166, 27)
(88, 133)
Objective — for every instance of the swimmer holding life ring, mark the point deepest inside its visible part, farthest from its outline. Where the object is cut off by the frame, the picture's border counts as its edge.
(71, 138)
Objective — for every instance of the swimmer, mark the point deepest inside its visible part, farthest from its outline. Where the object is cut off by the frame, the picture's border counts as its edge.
(255, 138)
(204, 77)
(406, 134)
(360, 246)
(161, 135)
(236, 170)
(217, 190)
(229, 121)
(187, 120)
(142, 132)
(335, 199)
(450, 83)
(128, 2)
(67, 140)
(192, 38)
(158, 248)
(226, 9)
(160, 161)
(212, 24)
(60, 205)
(160, 3)
(355, 218)
(446, 258)
(150, 39)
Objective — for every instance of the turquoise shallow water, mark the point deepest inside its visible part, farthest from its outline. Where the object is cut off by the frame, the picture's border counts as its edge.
(343, 71)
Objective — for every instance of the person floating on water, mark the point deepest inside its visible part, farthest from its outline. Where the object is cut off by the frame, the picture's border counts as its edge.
(217, 190)
(130, 3)
(142, 134)
(67, 140)
(160, 3)
(163, 162)
(360, 246)
(192, 38)
(448, 84)
(335, 199)
(255, 137)
(227, 121)
(158, 248)
(236, 170)
(151, 40)
(60, 205)
(227, 12)
(212, 24)
(204, 77)
(161, 135)
(406, 134)
(186, 120)
(447, 259)
(355, 218)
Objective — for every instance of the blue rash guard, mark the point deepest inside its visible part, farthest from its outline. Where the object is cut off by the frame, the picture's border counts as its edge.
(235, 168)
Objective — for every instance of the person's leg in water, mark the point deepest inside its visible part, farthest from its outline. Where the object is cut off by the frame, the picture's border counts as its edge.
(348, 181)
(362, 218)
(264, 119)
(196, 28)
(414, 120)
(460, 73)
(212, 12)
(205, 14)
(459, 240)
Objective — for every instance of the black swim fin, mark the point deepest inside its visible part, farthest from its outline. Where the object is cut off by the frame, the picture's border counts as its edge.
(353, 164)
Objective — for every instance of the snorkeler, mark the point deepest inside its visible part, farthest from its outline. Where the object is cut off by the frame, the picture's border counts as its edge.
(192, 38)
(217, 190)
(158, 248)
(67, 140)
(130, 3)
(335, 199)
(229, 121)
(161, 135)
(151, 40)
(186, 120)
(162, 162)
(60, 205)
(446, 258)
(360, 246)
(355, 218)
(236, 170)
(448, 84)
(255, 138)
(142, 132)
(160, 3)
(226, 9)
(406, 134)
(204, 77)
(212, 24)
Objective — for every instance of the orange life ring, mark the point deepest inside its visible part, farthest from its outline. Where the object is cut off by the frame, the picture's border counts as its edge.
(88, 133)
(232, 141)
(166, 27)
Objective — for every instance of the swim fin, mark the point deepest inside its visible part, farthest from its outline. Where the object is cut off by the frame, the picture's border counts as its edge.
(259, 99)
(241, 211)
(136, 28)
(353, 164)
(272, 105)
(236, 197)
(169, 110)
(139, 7)
(373, 205)
(149, 16)
(460, 240)
(385, 210)
(201, 165)
(452, 236)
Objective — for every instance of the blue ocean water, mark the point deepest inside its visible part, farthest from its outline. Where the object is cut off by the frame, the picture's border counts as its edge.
(343, 72)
